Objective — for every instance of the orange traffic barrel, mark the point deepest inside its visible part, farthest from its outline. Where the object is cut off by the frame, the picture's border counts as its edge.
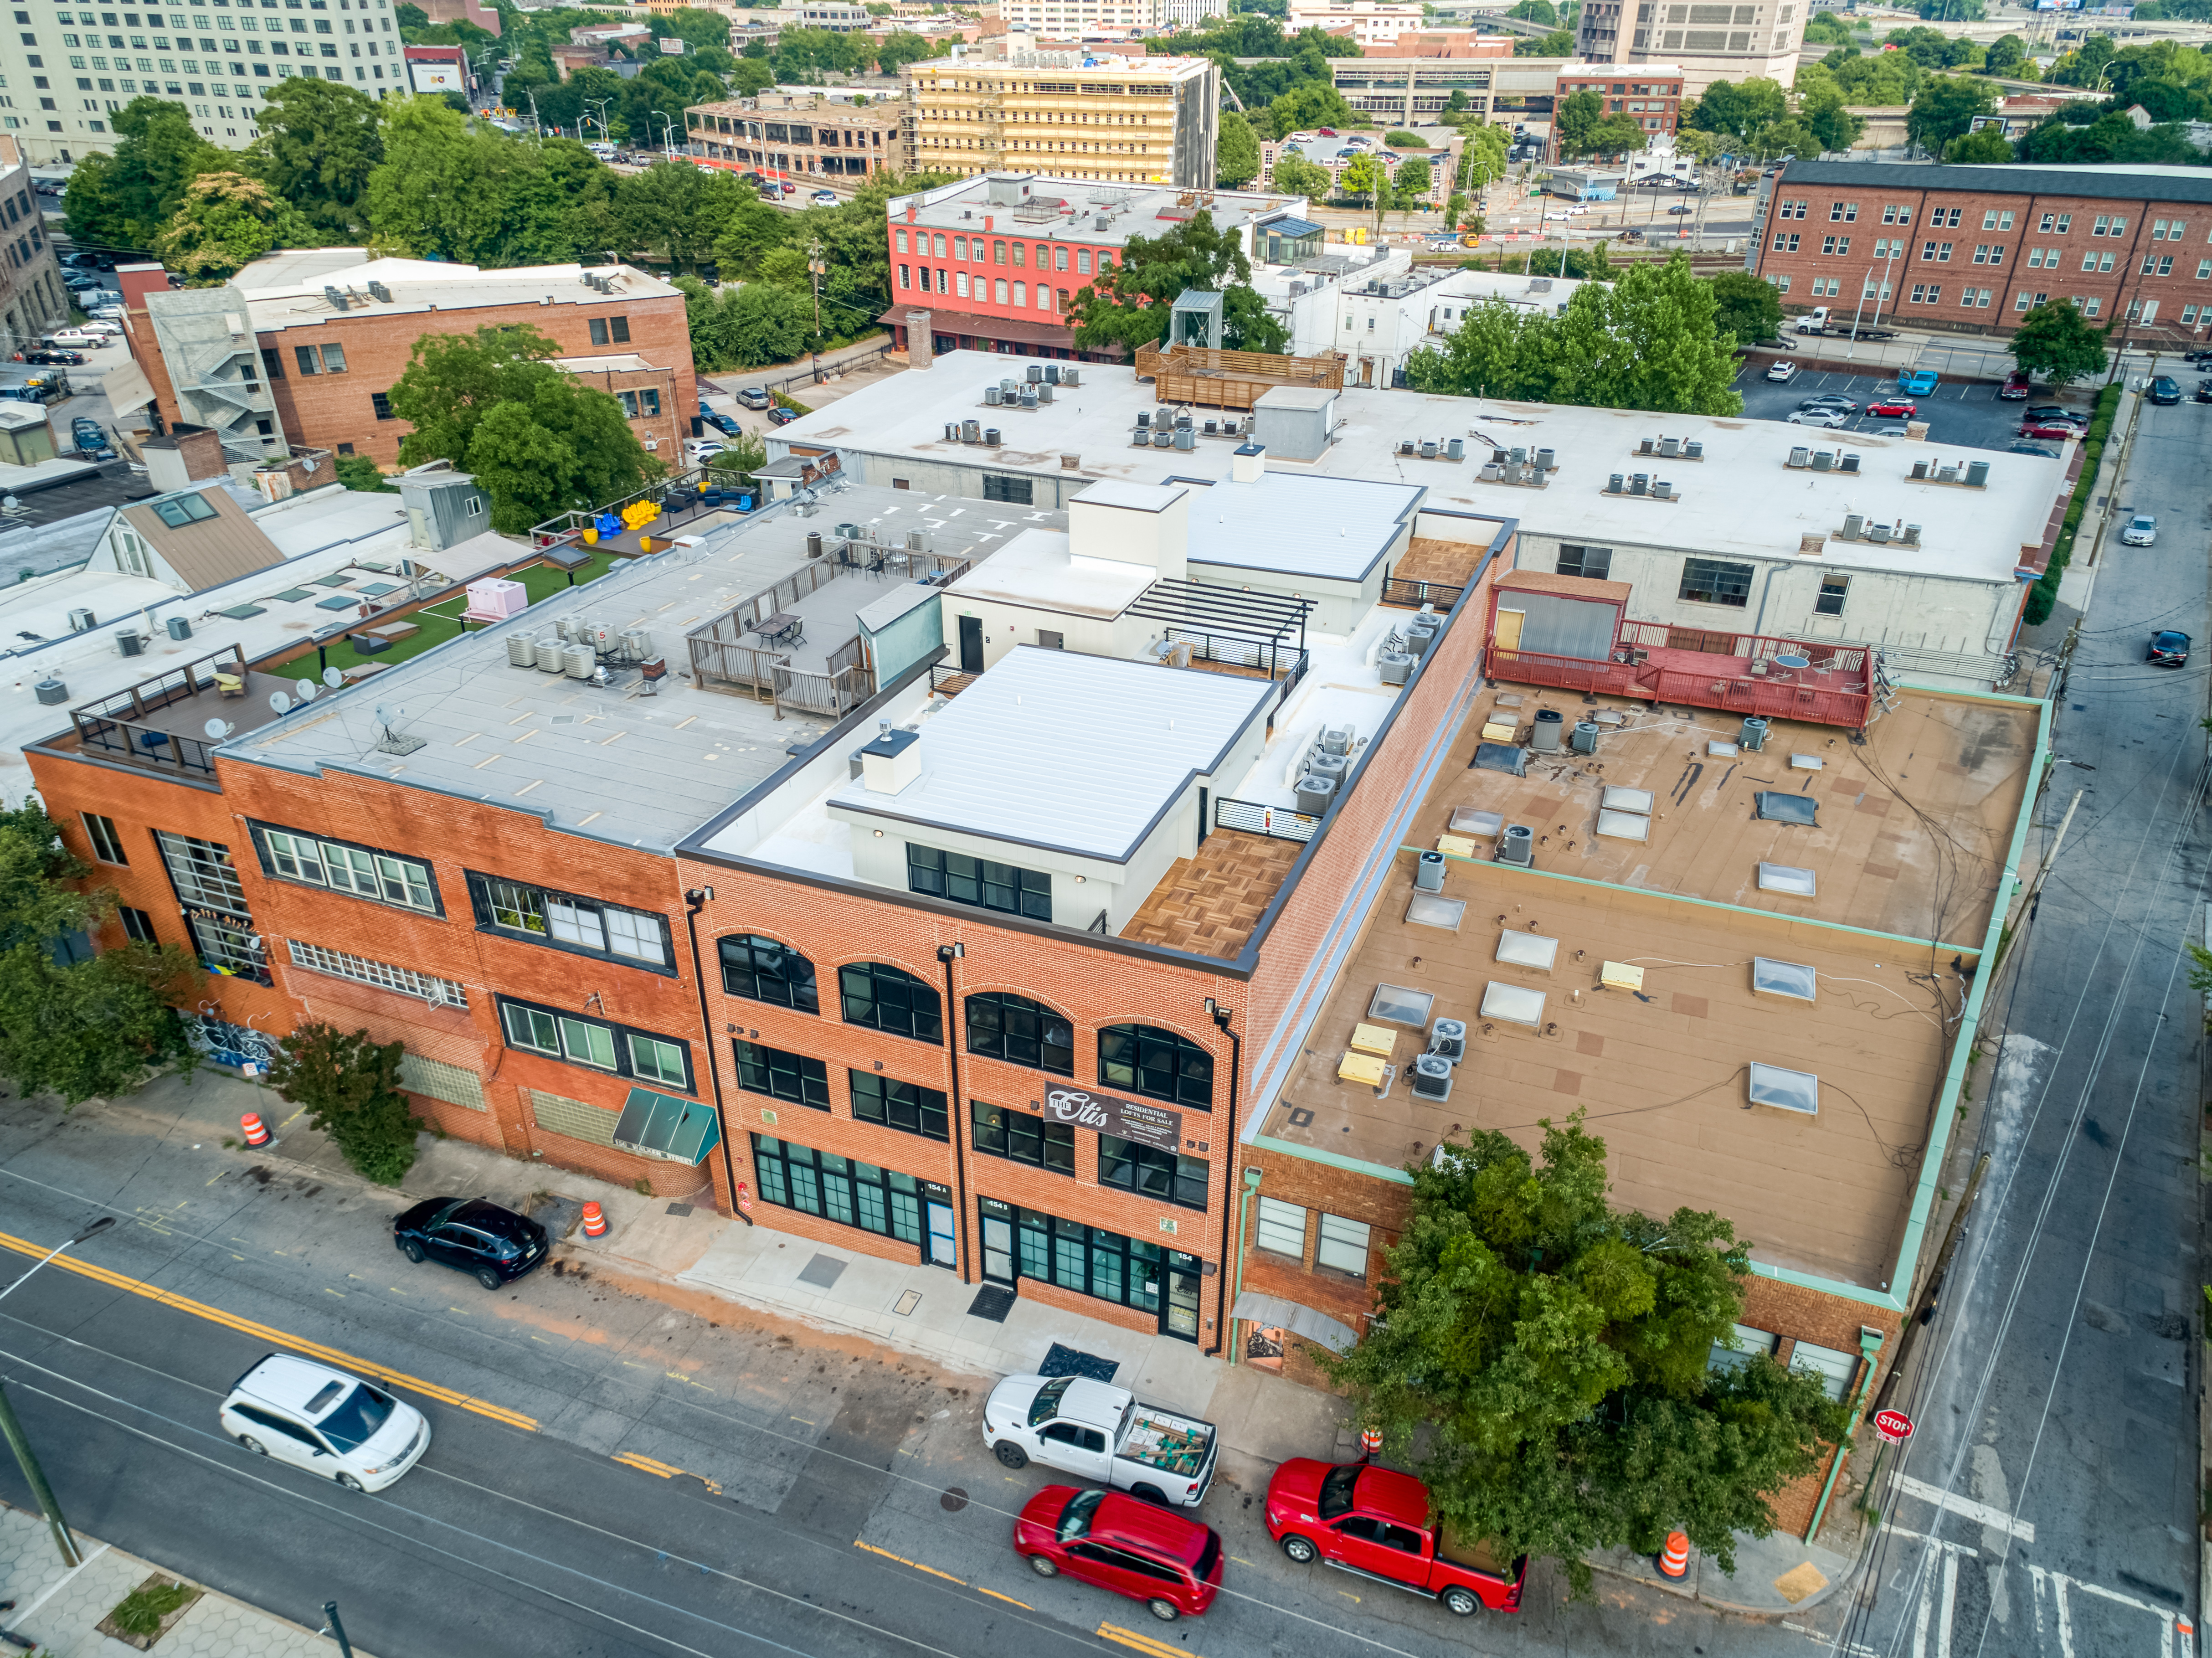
(1675, 1562)
(595, 1222)
(256, 1131)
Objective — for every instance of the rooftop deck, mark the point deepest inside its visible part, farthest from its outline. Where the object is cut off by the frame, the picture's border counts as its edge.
(1209, 904)
(1743, 674)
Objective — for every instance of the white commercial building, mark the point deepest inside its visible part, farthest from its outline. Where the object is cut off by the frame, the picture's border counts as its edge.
(1709, 43)
(1373, 22)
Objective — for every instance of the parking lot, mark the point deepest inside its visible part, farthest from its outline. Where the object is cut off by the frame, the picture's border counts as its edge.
(1967, 413)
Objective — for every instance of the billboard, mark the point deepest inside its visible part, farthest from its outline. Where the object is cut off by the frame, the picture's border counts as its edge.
(436, 74)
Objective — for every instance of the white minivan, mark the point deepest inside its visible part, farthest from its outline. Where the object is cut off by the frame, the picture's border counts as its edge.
(325, 1421)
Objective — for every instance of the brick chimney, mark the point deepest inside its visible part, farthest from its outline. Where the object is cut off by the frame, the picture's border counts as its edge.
(920, 341)
(201, 449)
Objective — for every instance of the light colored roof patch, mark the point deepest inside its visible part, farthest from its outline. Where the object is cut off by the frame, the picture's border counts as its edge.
(1298, 525)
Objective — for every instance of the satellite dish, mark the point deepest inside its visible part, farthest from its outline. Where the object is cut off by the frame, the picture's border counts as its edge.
(333, 678)
(308, 689)
(218, 729)
(11, 503)
(279, 701)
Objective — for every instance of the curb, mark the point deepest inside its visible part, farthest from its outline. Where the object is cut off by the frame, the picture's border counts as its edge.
(1638, 1568)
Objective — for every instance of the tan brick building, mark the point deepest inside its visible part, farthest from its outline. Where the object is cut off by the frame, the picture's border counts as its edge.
(303, 347)
(1975, 248)
(800, 135)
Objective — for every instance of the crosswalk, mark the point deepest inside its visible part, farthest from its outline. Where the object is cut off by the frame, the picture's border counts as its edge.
(2071, 1618)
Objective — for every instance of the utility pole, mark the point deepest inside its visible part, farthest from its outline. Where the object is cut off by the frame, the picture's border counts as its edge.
(11, 1428)
(817, 267)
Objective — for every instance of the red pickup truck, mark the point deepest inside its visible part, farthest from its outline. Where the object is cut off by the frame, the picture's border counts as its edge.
(1374, 1522)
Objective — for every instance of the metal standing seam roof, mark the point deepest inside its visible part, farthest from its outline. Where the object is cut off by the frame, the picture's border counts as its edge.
(2138, 183)
(1299, 524)
(1076, 753)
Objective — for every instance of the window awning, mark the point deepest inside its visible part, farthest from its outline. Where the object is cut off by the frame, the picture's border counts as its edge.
(662, 1126)
(1276, 1313)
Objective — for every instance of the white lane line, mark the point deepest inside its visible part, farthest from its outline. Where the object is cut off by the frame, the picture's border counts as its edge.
(1927, 1610)
(1950, 1602)
(1966, 1508)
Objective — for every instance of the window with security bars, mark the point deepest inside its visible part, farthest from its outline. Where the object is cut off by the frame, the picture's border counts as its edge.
(1020, 1137)
(437, 993)
(907, 1106)
(634, 936)
(202, 873)
(1281, 1228)
(793, 1078)
(843, 1189)
(1151, 1173)
(380, 876)
(1157, 1064)
(593, 1125)
(1006, 888)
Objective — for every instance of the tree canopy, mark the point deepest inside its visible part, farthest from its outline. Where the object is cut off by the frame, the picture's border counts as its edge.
(2056, 343)
(121, 200)
(349, 1086)
(226, 222)
(1746, 307)
(1945, 107)
(1237, 152)
(319, 141)
(1129, 304)
(1545, 1360)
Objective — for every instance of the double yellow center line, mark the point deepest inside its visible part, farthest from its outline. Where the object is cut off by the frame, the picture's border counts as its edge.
(269, 1333)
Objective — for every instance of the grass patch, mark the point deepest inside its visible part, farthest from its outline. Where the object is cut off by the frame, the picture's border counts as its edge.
(439, 622)
(143, 1612)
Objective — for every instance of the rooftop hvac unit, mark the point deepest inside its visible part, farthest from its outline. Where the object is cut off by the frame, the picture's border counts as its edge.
(1010, 387)
(1069, 377)
(1753, 735)
(1212, 428)
(1141, 437)
(991, 397)
(1978, 474)
(1185, 437)
(1643, 447)
(1428, 448)
(1878, 533)
(1338, 739)
(82, 622)
(915, 543)
(849, 532)
(520, 653)
(1044, 392)
(380, 292)
(1331, 766)
(637, 644)
(1052, 374)
(1947, 475)
(1492, 472)
(551, 653)
(51, 692)
(179, 627)
(971, 431)
(1432, 1077)
(1519, 456)
(1801, 456)
(1823, 461)
(1182, 420)
(1394, 666)
(1498, 455)
(1584, 737)
(336, 299)
(1613, 483)
(1662, 490)
(1919, 469)
(1546, 461)
(1314, 794)
(1143, 417)
(1036, 372)
(1517, 846)
(1029, 398)
(1161, 438)
(953, 431)
(1429, 872)
(1913, 535)
(1639, 483)
(1455, 449)
(990, 437)
(1670, 446)
(1405, 446)
(579, 660)
(1850, 462)
(1544, 735)
(130, 641)
(1694, 450)
(1448, 1040)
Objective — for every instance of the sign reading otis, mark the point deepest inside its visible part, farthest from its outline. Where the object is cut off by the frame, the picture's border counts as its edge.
(1130, 1119)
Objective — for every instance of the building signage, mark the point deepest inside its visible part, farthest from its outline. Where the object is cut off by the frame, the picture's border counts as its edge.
(1130, 1119)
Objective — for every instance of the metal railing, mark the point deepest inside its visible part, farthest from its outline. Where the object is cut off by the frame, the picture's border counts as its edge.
(950, 681)
(836, 694)
(115, 726)
(1276, 823)
(1412, 595)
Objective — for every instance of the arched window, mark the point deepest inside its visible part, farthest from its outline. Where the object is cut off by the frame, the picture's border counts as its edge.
(1157, 1064)
(888, 999)
(1021, 1032)
(762, 970)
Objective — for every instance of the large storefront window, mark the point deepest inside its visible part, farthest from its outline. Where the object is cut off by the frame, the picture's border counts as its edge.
(1019, 1243)
(856, 1193)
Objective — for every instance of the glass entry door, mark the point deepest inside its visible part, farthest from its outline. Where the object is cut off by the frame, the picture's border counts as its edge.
(943, 1251)
(1179, 1309)
(998, 1245)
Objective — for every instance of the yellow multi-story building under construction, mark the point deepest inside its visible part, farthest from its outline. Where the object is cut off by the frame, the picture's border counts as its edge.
(1072, 114)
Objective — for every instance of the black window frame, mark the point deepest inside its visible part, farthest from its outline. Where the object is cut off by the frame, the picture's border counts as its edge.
(480, 904)
(1834, 590)
(1042, 1247)
(799, 996)
(138, 924)
(259, 833)
(381, 402)
(1150, 1172)
(610, 330)
(909, 1108)
(1130, 1079)
(1022, 1137)
(759, 1071)
(1712, 581)
(1033, 1049)
(1014, 491)
(1576, 560)
(1004, 889)
(864, 1192)
(617, 1032)
(99, 828)
(907, 986)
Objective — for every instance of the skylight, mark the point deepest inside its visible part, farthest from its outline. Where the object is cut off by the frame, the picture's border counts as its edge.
(1782, 878)
(1399, 1005)
(1514, 1003)
(1786, 1090)
(1620, 799)
(1624, 825)
(1776, 807)
(1528, 949)
(1501, 756)
(1772, 978)
(1467, 820)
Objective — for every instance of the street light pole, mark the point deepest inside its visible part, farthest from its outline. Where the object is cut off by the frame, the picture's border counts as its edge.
(11, 1427)
(816, 268)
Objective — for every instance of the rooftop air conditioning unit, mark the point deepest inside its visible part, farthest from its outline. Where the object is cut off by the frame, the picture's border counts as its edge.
(336, 299)
(521, 653)
(1448, 1040)
(1432, 1077)
(82, 622)
(380, 292)
(1850, 463)
(1517, 846)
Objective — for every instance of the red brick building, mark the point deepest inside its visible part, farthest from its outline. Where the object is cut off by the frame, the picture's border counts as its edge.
(1977, 247)
(1649, 94)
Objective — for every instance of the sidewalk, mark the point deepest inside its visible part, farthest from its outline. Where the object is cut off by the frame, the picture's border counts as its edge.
(61, 1609)
(1773, 1574)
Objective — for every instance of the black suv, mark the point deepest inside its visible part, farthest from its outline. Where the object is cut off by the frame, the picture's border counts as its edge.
(2165, 390)
(496, 1245)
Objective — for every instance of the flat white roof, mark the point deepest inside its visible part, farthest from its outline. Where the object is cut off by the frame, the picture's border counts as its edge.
(1037, 568)
(290, 293)
(1742, 500)
(1294, 524)
(1076, 753)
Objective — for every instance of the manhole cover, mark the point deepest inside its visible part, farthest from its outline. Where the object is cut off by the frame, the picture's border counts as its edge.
(953, 1500)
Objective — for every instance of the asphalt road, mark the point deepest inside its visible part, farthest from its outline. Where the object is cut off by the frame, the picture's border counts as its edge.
(834, 1497)
(2057, 1398)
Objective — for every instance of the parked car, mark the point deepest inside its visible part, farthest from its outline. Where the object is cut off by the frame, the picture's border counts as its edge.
(1896, 408)
(494, 1246)
(1681, 207)
(324, 1420)
(1916, 382)
(2204, 393)
(1894, 429)
(1783, 371)
(780, 415)
(754, 397)
(2025, 448)
(1835, 400)
(2017, 385)
(2142, 530)
(824, 198)
(101, 325)
(2048, 428)
(699, 451)
(2165, 390)
(726, 424)
(112, 315)
(1173, 1565)
(48, 355)
(1828, 419)
(2169, 649)
(77, 339)
(1103, 1433)
(1376, 1523)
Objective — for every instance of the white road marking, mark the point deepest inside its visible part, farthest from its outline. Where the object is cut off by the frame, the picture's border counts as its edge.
(1950, 1601)
(1966, 1508)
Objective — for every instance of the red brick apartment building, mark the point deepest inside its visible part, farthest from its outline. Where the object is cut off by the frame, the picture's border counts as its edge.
(1651, 95)
(332, 330)
(1977, 247)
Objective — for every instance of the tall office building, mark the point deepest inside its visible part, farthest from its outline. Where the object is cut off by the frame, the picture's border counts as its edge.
(1709, 42)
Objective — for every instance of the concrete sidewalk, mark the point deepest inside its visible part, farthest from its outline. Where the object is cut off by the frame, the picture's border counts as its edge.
(61, 1609)
(1773, 1574)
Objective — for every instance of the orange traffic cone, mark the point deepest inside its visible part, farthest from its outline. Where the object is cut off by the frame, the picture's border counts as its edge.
(256, 1131)
(1675, 1562)
(595, 1221)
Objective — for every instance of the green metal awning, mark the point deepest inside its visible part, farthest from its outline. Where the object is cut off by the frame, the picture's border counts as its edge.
(662, 1126)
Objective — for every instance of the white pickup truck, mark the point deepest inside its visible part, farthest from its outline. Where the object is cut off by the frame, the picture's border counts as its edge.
(1101, 1432)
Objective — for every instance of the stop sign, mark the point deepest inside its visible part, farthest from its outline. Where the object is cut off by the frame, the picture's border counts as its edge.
(1893, 1426)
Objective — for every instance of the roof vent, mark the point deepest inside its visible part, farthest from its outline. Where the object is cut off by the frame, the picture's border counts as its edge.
(380, 291)
(337, 299)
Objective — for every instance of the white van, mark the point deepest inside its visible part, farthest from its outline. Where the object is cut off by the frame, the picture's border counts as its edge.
(605, 152)
(325, 1421)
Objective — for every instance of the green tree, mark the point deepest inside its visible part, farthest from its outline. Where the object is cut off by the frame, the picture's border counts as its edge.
(453, 380)
(1543, 1357)
(1746, 307)
(1785, 138)
(1365, 175)
(350, 1086)
(1823, 113)
(1128, 304)
(319, 141)
(1740, 109)
(2056, 343)
(439, 191)
(1945, 108)
(1482, 158)
(676, 210)
(2007, 56)
(1561, 44)
(1574, 118)
(1828, 28)
(1294, 175)
(1616, 135)
(1237, 152)
(1953, 11)
(227, 222)
(1410, 183)
(1699, 146)
(120, 201)
(1405, 141)
(1986, 147)
(1535, 11)
(560, 444)
(696, 28)
(360, 472)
